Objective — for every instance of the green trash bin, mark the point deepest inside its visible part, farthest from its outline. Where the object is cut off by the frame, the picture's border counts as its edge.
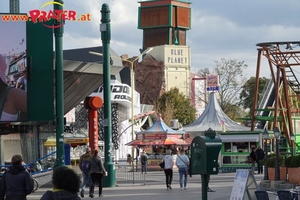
(204, 153)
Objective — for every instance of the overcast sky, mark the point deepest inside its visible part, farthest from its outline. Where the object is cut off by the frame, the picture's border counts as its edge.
(220, 29)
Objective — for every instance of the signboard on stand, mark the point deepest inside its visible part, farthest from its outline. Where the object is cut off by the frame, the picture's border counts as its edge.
(244, 185)
(212, 83)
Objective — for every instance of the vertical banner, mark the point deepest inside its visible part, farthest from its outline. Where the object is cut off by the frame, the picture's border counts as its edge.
(93, 129)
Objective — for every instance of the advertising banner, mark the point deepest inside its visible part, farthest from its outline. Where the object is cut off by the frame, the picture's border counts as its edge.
(13, 71)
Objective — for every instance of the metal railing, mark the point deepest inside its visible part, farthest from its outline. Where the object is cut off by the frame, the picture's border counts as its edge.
(126, 175)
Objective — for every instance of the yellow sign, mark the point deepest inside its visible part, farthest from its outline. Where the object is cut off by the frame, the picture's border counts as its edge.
(50, 142)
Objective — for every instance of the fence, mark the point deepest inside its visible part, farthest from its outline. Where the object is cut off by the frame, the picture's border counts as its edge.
(128, 174)
(125, 174)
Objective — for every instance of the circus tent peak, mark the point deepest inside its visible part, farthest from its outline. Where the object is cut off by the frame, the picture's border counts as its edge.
(213, 117)
(159, 127)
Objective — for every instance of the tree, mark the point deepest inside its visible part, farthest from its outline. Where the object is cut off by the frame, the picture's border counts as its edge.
(175, 105)
(247, 94)
(235, 112)
(231, 80)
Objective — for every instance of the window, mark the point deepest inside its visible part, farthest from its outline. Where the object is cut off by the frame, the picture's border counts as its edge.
(227, 147)
(235, 159)
(240, 147)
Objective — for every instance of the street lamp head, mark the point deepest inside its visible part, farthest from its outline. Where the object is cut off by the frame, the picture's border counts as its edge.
(147, 50)
(95, 53)
(276, 132)
(143, 53)
(266, 134)
(292, 135)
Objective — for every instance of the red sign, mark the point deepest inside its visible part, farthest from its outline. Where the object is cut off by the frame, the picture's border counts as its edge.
(154, 136)
(212, 80)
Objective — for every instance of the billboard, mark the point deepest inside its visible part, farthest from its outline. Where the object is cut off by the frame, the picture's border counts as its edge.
(13, 71)
(212, 83)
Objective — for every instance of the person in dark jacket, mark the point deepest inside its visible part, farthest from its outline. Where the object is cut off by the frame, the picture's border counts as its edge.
(16, 183)
(144, 159)
(97, 172)
(84, 166)
(66, 185)
(253, 156)
(260, 157)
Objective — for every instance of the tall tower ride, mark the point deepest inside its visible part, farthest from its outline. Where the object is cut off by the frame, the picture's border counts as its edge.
(164, 22)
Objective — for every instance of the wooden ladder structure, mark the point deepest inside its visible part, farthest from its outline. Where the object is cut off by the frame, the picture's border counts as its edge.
(282, 58)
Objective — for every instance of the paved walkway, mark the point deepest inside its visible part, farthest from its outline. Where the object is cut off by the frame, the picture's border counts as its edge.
(155, 188)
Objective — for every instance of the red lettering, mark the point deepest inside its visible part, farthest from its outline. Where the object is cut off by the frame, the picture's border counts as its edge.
(34, 14)
(52, 15)
(43, 16)
(24, 17)
(64, 15)
(72, 15)
(15, 17)
(5, 17)
(58, 14)
(88, 17)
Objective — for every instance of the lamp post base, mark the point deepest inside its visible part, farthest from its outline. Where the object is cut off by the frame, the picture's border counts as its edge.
(109, 180)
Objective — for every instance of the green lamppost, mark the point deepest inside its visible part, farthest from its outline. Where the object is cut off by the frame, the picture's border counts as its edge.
(58, 33)
(266, 137)
(277, 136)
(105, 37)
(292, 135)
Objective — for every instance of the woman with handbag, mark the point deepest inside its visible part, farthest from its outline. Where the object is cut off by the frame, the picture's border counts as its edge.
(97, 172)
(168, 168)
(182, 162)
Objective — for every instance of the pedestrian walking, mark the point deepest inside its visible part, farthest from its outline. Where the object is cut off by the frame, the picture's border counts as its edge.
(16, 182)
(168, 168)
(85, 166)
(260, 158)
(182, 162)
(253, 159)
(129, 159)
(97, 172)
(66, 185)
(144, 160)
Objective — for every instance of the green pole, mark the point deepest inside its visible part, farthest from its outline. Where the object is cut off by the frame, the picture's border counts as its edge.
(204, 186)
(105, 37)
(58, 33)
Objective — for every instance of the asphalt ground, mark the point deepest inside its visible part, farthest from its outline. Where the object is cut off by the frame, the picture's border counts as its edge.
(155, 188)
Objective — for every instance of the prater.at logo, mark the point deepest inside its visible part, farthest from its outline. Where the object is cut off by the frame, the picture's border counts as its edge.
(40, 16)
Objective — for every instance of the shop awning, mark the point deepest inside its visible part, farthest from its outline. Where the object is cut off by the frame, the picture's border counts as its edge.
(167, 141)
(240, 138)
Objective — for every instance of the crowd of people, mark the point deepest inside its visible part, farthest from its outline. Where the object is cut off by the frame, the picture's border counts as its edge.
(17, 183)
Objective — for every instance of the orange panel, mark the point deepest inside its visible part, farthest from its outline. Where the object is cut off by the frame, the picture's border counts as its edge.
(182, 36)
(181, 17)
(153, 17)
(93, 129)
(164, 2)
